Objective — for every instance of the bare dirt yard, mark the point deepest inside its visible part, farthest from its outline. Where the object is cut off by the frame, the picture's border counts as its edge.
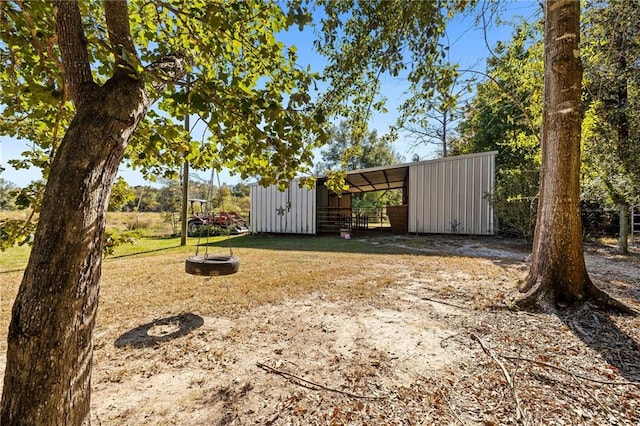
(376, 330)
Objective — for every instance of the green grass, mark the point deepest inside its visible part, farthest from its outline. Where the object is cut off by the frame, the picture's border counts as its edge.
(15, 258)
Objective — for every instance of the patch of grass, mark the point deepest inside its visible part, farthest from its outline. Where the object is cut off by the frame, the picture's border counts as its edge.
(15, 258)
(148, 280)
(149, 224)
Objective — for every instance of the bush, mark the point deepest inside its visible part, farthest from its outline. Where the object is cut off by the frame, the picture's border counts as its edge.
(514, 202)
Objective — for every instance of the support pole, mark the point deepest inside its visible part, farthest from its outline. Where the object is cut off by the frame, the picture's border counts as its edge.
(185, 192)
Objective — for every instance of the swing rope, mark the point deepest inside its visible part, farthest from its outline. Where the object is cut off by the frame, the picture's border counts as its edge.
(216, 264)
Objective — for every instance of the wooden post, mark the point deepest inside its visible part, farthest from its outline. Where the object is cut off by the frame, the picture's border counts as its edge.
(624, 228)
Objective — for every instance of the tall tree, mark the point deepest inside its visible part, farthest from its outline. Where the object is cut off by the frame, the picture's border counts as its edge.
(342, 152)
(433, 121)
(612, 80)
(91, 72)
(558, 274)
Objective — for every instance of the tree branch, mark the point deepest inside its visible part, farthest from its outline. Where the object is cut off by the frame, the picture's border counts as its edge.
(311, 385)
(122, 46)
(73, 48)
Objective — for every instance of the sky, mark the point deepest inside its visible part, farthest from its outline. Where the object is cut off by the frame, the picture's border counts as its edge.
(468, 46)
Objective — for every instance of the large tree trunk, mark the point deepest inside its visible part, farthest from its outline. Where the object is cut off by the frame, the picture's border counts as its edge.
(558, 274)
(49, 356)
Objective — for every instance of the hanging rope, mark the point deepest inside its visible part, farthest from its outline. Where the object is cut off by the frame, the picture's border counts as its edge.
(212, 265)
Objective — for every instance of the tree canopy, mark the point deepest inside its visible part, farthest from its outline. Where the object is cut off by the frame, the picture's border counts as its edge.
(241, 82)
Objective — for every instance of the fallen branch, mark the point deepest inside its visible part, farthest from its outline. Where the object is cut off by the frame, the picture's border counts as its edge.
(307, 383)
(579, 376)
(507, 376)
(442, 302)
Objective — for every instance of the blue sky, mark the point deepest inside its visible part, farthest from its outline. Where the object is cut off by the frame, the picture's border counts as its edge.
(467, 47)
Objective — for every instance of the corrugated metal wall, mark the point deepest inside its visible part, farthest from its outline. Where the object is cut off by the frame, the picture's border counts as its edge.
(292, 211)
(448, 195)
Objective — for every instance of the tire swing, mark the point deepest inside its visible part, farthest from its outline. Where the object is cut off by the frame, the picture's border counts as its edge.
(212, 265)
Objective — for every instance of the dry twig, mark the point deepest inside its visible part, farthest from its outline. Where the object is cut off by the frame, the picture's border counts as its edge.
(579, 376)
(311, 385)
(442, 302)
(507, 376)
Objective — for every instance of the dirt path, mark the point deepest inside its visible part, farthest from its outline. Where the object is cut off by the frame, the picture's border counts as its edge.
(412, 355)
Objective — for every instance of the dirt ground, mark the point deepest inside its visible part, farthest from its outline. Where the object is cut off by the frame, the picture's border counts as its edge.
(437, 345)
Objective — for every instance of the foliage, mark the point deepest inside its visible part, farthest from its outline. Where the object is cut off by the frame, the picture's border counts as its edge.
(243, 84)
(349, 151)
(611, 137)
(505, 115)
(21, 231)
(172, 219)
(240, 190)
(15, 232)
(515, 212)
(7, 195)
(345, 153)
(365, 40)
(113, 239)
(432, 121)
(121, 194)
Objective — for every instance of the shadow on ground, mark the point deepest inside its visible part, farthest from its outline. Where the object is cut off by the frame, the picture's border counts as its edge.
(160, 330)
(598, 331)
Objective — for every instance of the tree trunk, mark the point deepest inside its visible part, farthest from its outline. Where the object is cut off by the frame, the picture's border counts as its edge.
(558, 275)
(49, 357)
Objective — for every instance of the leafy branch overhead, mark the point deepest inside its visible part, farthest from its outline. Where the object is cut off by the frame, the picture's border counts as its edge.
(240, 81)
(366, 40)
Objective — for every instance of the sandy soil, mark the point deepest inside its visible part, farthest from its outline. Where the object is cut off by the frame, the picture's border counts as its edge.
(438, 349)
(432, 348)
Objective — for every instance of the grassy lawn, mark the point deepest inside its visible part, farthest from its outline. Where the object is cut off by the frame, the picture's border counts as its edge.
(147, 279)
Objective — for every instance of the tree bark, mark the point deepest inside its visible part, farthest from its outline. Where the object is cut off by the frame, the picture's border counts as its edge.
(623, 240)
(558, 271)
(558, 275)
(49, 356)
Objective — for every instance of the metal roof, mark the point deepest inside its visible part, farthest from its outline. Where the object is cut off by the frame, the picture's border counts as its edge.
(377, 178)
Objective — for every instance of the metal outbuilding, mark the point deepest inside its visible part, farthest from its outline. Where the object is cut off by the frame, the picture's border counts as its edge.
(445, 196)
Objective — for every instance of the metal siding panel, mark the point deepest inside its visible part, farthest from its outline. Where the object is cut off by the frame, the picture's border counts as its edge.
(414, 200)
(265, 202)
(421, 199)
(481, 213)
(252, 206)
(448, 167)
(421, 196)
(418, 198)
(492, 174)
(441, 202)
(260, 209)
(298, 209)
(269, 225)
(457, 195)
(470, 195)
(431, 201)
(483, 204)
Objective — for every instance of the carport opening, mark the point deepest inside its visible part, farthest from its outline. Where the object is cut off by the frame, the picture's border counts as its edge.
(376, 200)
